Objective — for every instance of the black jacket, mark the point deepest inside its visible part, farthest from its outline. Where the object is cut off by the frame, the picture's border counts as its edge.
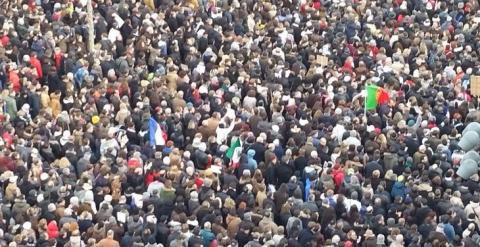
(283, 172)
(305, 237)
(242, 238)
(259, 151)
(200, 159)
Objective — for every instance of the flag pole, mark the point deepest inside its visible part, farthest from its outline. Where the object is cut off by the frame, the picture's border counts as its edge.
(365, 102)
(90, 27)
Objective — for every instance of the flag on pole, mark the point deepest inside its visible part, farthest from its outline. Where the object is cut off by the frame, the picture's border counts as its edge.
(157, 135)
(375, 96)
(231, 149)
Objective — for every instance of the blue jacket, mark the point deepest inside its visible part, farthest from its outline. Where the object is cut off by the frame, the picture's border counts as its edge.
(207, 236)
(449, 231)
(79, 76)
(398, 189)
(279, 152)
(252, 163)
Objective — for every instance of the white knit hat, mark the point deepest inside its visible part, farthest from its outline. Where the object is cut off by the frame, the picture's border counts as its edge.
(51, 207)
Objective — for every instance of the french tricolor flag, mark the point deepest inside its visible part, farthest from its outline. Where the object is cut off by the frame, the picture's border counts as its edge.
(157, 136)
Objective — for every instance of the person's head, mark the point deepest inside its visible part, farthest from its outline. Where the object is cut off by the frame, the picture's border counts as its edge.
(110, 234)
(380, 219)
(207, 225)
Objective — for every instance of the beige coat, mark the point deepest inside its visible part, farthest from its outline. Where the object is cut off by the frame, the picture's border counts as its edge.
(261, 196)
(267, 225)
(116, 189)
(192, 4)
(122, 115)
(171, 78)
(233, 224)
(55, 104)
(45, 99)
(150, 4)
(418, 157)
(210, 128)
(175, 159)
(178, 104)
(11, 191)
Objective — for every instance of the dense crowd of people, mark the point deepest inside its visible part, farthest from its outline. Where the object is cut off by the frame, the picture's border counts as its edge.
(237, 123)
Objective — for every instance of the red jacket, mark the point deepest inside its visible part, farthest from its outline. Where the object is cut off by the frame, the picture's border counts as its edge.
(58, 57)
(7, 138)
(14, 80)
(150, 177)
(5, 40)
(6, 163)
(57, 16)
(347, 68)
(38, 66)
(338, 177)
(52, 230)
(374, 51)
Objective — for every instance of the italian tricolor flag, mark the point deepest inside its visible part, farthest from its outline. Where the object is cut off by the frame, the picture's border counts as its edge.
(375, 96)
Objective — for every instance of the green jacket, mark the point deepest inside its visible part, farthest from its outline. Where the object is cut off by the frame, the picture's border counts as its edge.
(10, 106)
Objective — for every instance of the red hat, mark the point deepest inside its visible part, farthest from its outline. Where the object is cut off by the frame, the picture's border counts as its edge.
(400, 18)
(198, 182)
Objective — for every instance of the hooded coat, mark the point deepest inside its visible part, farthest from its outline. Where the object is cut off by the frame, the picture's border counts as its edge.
(207, 236)
(52, 230)
(267, 225)
(399, 189)
(19, 211)
(252, 163)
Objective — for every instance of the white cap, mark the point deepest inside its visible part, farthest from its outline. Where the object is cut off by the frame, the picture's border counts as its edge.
(275, 128)
(52, 207)
(40, 198)
(202, 146)
(27, 225)
(108, 198)
(335, 239)
(44, 176)
(166, 160)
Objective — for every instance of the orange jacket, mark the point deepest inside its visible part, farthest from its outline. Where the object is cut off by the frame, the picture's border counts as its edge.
(14, 80)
